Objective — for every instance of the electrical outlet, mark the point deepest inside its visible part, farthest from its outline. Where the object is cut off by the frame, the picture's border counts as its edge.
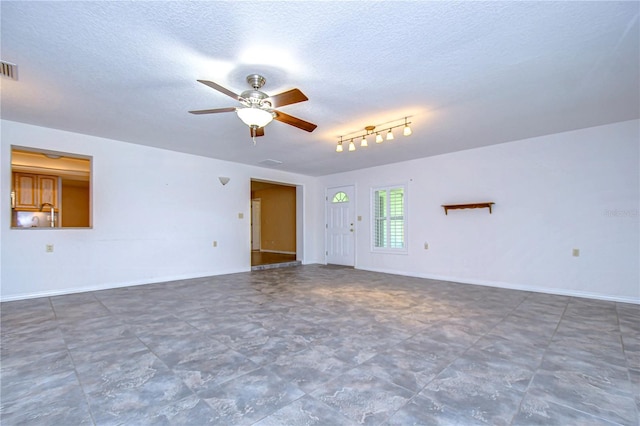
(576, 252)
(240, 215)
(48, 248)
(426, 246)
(215, 244)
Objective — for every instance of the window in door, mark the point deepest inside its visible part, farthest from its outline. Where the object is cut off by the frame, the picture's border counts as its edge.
(340, 197)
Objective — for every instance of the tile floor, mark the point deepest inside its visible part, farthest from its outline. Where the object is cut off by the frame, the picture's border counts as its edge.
(318, 345)
(259, 258)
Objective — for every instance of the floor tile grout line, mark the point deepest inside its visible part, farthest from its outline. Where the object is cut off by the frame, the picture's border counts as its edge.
(73, 362)
(628, 364)
(128, 328)
(417, 393)
(75, 371)
(526, 296)
(569, 300)
(535, 371)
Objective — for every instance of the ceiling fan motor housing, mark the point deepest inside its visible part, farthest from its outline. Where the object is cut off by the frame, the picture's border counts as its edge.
(255, 98)
(256, 81)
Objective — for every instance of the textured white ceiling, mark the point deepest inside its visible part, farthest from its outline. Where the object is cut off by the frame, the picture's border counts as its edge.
(469, 74)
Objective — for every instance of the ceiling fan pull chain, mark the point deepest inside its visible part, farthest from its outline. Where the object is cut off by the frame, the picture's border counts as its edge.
(254, 132)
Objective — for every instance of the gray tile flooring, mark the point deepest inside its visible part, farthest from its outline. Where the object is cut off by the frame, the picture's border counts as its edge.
(318, 345)
(266, 258)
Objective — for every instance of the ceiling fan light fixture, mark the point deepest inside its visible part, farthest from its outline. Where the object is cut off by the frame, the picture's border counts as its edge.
(254, 116)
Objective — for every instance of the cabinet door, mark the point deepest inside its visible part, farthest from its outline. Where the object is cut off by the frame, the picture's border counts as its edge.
(48, 186)
(26, 191)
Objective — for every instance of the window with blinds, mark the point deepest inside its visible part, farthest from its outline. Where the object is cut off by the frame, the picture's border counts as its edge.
(389, 224)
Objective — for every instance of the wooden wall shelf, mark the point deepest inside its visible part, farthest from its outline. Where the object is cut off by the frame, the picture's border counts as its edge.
(448, 207)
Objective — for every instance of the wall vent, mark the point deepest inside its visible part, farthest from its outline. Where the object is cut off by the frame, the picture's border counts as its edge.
(270, 162)
(9, 70)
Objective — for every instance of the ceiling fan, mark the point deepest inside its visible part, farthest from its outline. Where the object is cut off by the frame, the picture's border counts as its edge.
(258, 108)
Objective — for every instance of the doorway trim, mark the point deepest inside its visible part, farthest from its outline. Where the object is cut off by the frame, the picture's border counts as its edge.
(299, 237)
(256, 242)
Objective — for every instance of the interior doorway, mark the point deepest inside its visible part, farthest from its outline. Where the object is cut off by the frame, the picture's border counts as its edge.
(275, 218)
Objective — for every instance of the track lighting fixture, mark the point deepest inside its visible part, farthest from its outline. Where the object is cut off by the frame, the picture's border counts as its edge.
(369, 130)
(407, 129)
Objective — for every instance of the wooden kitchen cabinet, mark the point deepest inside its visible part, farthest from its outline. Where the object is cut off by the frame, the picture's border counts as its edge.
(33, 190)
(48, 189)
(25, 190)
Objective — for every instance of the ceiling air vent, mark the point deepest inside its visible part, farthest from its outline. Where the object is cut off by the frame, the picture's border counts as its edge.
(9, 70)
(270, 162)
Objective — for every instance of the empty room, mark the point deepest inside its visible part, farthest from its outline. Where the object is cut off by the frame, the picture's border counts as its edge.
(320, 213)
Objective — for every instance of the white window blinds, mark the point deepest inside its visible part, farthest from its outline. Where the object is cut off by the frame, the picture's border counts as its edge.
(389, 224)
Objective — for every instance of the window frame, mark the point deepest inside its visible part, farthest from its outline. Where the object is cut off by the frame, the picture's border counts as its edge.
(65, 171)
(405, 228)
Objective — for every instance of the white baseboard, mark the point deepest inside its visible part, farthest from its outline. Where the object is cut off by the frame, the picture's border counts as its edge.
(511, 286)
(108, 286)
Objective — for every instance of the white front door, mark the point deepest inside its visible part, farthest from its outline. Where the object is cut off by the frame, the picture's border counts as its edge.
(341, 225)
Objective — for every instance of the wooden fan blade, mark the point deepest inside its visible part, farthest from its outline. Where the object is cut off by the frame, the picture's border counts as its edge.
(289, 97)
(258, 132)
(213, 111)
(220, 89)
(293, 121)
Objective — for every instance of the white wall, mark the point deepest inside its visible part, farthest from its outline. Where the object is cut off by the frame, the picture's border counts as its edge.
(156, 214)
(554, 193)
